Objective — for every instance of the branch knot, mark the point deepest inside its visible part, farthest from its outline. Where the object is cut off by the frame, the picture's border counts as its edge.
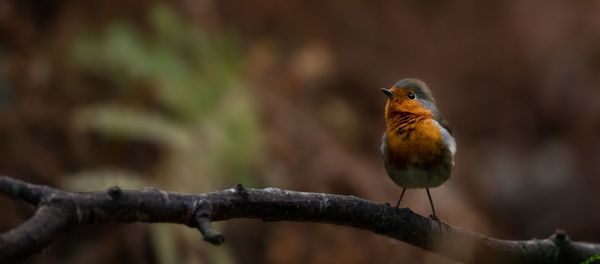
(201, 220)
(241, 191)
(115, 192)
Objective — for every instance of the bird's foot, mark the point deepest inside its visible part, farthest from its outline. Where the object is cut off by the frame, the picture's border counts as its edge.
(434, 218)
(437, 220)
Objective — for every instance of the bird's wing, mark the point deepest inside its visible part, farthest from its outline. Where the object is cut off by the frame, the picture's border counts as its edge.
(445, 124)
(383, 147)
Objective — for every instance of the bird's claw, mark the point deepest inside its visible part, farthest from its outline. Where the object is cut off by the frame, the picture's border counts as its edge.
(436, 219)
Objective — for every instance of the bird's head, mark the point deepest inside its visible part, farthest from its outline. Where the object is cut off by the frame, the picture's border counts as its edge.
(409, 96)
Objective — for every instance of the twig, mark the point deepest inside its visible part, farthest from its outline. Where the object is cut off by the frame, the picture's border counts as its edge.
(58, 210)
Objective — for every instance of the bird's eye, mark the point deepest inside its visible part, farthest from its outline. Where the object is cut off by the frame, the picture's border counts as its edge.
(412, 96)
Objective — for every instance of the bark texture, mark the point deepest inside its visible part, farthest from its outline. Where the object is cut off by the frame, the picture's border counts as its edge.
(58, 210)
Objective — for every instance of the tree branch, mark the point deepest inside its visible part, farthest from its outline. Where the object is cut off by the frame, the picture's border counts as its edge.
(57, 210)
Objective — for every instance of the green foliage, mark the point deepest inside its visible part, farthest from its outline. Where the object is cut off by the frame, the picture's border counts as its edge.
(204, 114)
(126, 123)
(189, 70)
(102, 179)
(592, 259)
(175, 86)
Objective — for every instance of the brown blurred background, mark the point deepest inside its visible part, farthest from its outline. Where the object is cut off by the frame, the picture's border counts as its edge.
(194, 96)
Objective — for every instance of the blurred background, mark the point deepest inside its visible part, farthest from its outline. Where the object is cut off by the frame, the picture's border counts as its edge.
(195, 96)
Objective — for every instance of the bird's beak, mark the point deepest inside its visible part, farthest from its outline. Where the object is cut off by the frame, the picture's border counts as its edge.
(388, 93)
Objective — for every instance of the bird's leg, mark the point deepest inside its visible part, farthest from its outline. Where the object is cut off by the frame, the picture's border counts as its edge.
(431, 203)
(400, 199)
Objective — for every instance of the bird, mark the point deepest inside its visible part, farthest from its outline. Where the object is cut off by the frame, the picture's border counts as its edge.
(417, 146)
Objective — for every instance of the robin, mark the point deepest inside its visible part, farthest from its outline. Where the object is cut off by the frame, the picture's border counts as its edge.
(417, 146)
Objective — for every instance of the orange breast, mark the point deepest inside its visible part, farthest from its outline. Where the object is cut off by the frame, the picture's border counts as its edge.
(416, 143)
